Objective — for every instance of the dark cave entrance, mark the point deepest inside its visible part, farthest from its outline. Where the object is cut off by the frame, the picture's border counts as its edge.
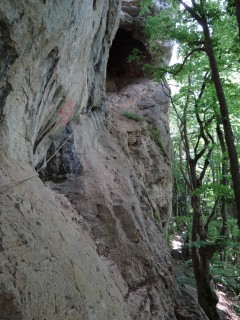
(120, 72)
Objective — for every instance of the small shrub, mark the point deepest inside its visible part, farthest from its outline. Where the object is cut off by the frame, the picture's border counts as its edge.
(155, 134)
(156, 216)
(132, 116)
(135, 56)
(186, 280)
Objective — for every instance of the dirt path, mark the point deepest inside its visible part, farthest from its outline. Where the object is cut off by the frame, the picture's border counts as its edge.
(226, 303)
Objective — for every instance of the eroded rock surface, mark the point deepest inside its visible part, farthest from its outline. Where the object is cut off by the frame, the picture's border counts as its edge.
(83, 237)
(123, 194)
(53, 59)
(50, 268)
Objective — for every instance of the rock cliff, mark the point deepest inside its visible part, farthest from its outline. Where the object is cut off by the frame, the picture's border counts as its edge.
(85, 187)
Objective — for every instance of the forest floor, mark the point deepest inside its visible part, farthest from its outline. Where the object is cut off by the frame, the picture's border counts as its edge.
(227, 301)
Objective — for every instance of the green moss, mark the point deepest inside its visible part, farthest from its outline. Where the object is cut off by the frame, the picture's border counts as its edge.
(156, 216)
(155, 134)
(132, 116)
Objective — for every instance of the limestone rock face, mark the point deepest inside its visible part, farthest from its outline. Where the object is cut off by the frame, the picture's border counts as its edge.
(53, 59)
(82, 238)
(130, 13)
(49, 265)
(123, 194)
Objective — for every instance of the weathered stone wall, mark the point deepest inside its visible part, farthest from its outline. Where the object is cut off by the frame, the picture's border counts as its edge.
(53, 60)
(49, 265)
(87, 243)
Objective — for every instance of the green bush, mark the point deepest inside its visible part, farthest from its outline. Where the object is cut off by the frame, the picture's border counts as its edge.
(156, 216)
(132, 116)
(155, 134)
(186, 280)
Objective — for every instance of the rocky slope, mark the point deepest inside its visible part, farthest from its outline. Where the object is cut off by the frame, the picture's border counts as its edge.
(84, 238)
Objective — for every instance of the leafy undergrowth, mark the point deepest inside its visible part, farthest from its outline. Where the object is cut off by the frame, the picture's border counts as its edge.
(226, 285)
(132, 116)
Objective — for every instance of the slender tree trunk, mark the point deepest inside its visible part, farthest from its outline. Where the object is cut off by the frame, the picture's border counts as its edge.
(186, 200)
(206, 294)
(207, 297)
(223, 180)
(228, 133)
(175, 198)
(237, 5)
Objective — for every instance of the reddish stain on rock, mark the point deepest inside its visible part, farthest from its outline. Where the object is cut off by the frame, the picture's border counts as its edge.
(66, 112)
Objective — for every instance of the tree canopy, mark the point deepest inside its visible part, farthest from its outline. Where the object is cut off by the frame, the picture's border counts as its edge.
(207, 132)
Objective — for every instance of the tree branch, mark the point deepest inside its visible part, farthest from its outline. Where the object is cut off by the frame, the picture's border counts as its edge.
(211, 216)
(192, 12)
(205, 166)
(181, 168)
(187, 56)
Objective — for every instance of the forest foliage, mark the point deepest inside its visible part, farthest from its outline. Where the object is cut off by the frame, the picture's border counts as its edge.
(205, 133)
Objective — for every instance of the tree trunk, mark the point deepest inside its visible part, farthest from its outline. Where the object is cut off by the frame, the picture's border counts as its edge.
(186, 200)
(237, 5)
(228, 133)
(207, 297)
(206, 294)
(223, 180)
